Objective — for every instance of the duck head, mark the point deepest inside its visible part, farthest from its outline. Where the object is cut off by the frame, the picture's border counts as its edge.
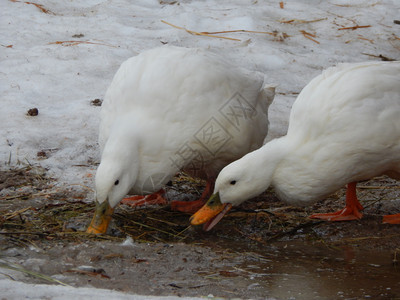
(236, 183)
(242, 180)
(115, 177)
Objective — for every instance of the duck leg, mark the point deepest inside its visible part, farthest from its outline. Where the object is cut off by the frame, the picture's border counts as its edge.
(391, 219)
(155, 198)
(193, 206)
(350, 212)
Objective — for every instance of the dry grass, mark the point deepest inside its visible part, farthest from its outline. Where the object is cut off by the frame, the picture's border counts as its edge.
(48, 215)
(74, 43)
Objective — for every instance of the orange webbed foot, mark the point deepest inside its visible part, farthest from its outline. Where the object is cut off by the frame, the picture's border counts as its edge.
(345, 214)
(187, 206)
(151, 199)
(391, 219)
(350, 212)
(193, 206)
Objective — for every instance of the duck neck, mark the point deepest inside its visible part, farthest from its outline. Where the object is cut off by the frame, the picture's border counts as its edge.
(266, 160)
(122, 148)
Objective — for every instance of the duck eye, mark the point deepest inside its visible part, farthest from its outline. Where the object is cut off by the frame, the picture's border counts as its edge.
(233, 182)
(116, 182)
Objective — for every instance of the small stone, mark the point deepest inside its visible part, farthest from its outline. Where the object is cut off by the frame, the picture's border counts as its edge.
(41, 154)
(96, 102)
(33, 112)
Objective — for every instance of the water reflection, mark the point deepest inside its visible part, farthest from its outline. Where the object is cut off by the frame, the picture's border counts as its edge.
(299, 270)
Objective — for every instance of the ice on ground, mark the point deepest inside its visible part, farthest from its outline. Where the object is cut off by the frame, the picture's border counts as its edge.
(13, 290)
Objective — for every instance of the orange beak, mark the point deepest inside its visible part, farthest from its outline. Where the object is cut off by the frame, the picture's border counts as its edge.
(101, 218)
(211, 213)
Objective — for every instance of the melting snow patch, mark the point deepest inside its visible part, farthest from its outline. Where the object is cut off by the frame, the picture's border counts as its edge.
(128, 242)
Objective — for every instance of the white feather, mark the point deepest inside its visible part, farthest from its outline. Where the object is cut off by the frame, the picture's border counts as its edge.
(160, 110)
(344, 127)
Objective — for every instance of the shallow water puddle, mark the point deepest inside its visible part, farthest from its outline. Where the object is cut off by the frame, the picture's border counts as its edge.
(219, 267)
(297, 270)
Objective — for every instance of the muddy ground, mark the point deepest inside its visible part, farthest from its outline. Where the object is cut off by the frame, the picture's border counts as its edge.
(261, 249)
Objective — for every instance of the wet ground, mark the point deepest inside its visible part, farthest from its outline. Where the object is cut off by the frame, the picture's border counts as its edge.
(262, 249)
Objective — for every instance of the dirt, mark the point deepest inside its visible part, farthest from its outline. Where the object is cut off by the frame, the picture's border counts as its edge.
(33, 112)
(96, 102)
(261, 249)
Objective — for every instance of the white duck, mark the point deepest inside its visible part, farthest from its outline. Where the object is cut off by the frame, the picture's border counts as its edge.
(344, 127)
(171, 109)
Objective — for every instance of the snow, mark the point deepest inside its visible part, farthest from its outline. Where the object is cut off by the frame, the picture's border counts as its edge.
(11, 290)
(61, 79)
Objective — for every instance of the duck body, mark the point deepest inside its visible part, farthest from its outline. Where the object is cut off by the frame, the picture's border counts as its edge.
(169, 101)
(344, 127)
(171, 109)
